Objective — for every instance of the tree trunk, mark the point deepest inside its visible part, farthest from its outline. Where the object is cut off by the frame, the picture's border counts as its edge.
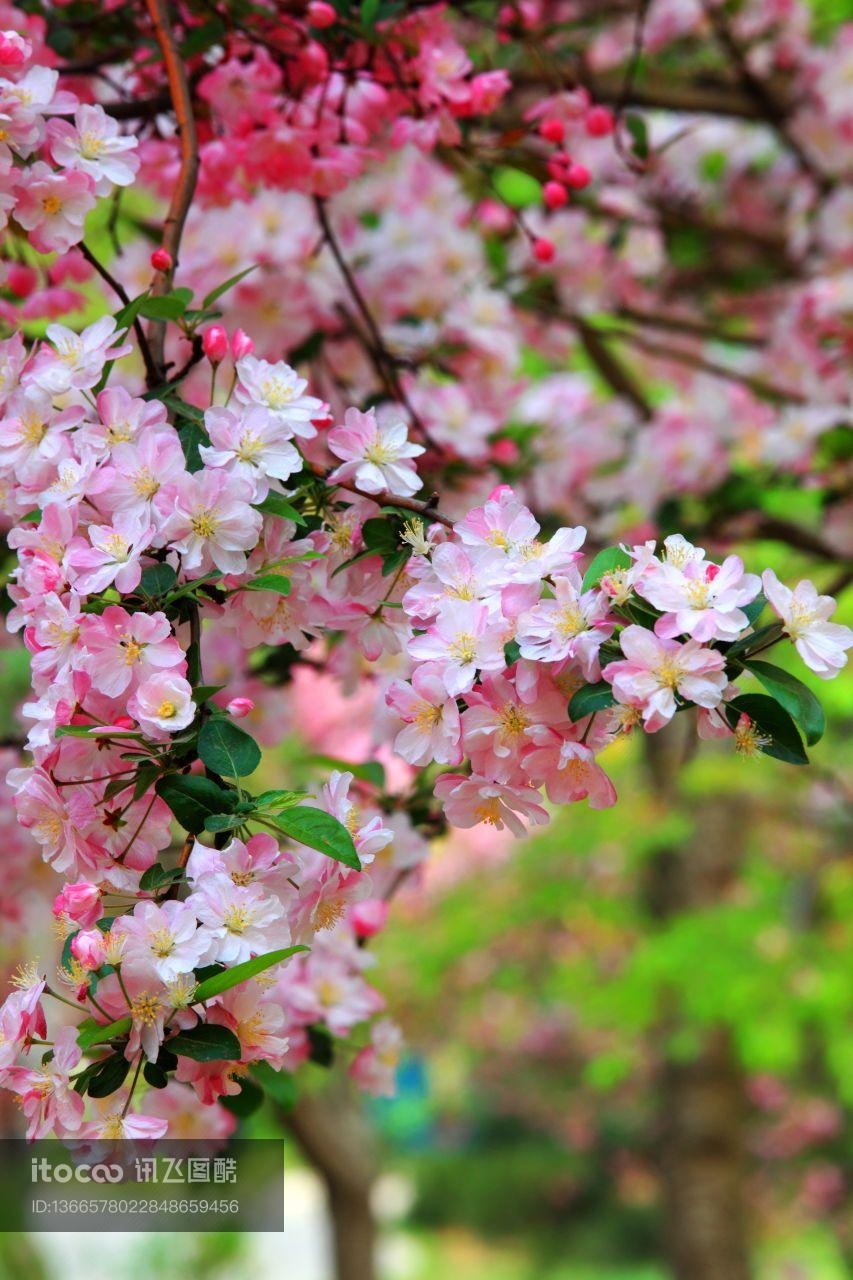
(336, 1142)
(702, 1101)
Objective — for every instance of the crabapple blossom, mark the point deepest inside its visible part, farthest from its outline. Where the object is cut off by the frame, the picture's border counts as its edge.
(253, 446)
(700, 599)
(126, 648)
(94, 146)
(461, 641)
(655, 672)
(113, 556)
(431, 717)
(211, 523)
(469, 801)
(165, 939)
(163, 704)
(375, 456)
(805, 615)
(574, 625)
(280, 390)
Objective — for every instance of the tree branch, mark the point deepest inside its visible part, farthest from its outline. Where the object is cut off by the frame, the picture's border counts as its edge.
(181, 99)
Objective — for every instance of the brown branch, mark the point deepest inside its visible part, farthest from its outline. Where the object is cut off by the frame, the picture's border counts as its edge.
(614, 372)
(181, 99)
(685, 324)
(386, 499)
(118, 288)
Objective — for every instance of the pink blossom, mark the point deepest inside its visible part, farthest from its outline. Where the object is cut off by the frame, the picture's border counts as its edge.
(805, 618)
(48, 1099)
(113, 556)
(165, 940)
(656, 670)
(53, 206)
(374, 1068)
(240, 919)
(469, 801)
(699, 599)
(461, 641)
(498, 723)
(573, 625)
(163, 704)
(89, 948)
(77, 359)
(211, 523)
(568, 771)
(279, 389)
(375, 456)
(126, 648)
(94, 146)
(81, 902)
(432, 718)
(254, 446)
(369, 917)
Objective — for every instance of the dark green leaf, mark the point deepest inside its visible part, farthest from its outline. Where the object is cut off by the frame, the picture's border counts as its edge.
(636, 126)
(224, 821)
(227, 749)
(772, 722)
(193, 799)
(245, 1102)
(280, 1085)
(100, 1034)
(797, 699)
(191, 435)
(169, 306)
(206, 1042)
(275, 505)
(238, 973)
(154, 1076)
(369, 771)
(512, 652)
(319, 830)
(157, 579)
(322, 1046)
(203, 692)
(755, 608)
(109, 1077)
(590, 698)
(158, 875)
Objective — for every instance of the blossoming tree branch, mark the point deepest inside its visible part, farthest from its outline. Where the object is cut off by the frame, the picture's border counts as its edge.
(195, 518)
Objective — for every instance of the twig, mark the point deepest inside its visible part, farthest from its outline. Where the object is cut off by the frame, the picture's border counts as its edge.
(427, 509)
(611, 369)
(181, 99)
(121, 293)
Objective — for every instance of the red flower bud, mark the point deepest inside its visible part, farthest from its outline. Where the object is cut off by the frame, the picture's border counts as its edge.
(555, 195)
(241, 344)
(214, 342)
(599, 122)
(21, 279)
(161, 260)
(320, 14)
(578, 177)
(543, 250)
(552, 130)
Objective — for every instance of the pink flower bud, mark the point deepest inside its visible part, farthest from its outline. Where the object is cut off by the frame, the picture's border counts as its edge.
(543, 250)
(89, 948)
(81, 902)
(552, 130)
(161, 260)
(369, 917)
(578, 177)
(599, 122)
(555, 195)
(505, 451)
(21, 280)
(214, 343)
(240, 707)
(241, 344)
(14, 49)
(320, 14)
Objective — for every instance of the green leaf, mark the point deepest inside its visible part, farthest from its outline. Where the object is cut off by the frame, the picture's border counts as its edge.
(158, 875)
(227, 749)
(157, 579)
(322, 1046)
(512, 652)
(368, 13)
(191, 435)
(590, 698)
(168, 306)
(203, 692)
(109, 1077)
(211, 297)
(247, 1101)
(193, 799)
(608, 560)
(146, 775)
(280, 1085)
(154, 1076)
(319, 830)
(797, 699)
(206, 1042)
(275, 505)
(368, 771)
(772, 722)
(270, 582)
(224, 821)
(238, 973)
(755, 608)
(278, 799)
(100, 1034)
(516, 188)
(636, 126)
(126, 316)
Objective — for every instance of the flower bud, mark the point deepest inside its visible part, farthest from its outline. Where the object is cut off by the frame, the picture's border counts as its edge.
(543, 250)
(241, 344)
(240, 707)
(552, 130)
(505, 451)
(161, 260)
(598, 122)
(369, 917)
(578, 177)
(89, 948)
(21, 279)
(14, 49)
(320, 14)
(81, 902)
(214, 343)
(555, 195)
